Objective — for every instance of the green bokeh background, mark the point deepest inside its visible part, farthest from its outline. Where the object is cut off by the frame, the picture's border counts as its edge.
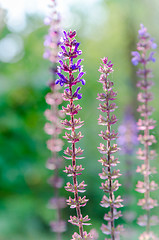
(24, 192)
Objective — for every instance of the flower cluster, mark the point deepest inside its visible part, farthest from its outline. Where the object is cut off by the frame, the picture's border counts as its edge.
(107, 150)
(73, 73)
(54, 127)
(145, 124)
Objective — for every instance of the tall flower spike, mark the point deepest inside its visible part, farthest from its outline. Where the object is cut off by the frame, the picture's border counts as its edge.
(107, 150)
(70, 73)
(53, 127)
(143, 55)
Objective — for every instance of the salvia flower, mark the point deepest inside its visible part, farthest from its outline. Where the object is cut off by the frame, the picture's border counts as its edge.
(53, 127)
(108, 160)
(70, 73)
(144, 55)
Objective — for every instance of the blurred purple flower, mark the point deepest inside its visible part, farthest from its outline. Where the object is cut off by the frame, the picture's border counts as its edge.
(53, 115)
(52, 39)
(136, 58)
(145, 43)
(128, 133)
(145, 124)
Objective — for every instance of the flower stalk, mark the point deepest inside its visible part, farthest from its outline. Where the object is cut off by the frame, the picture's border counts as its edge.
(143, 55)
(108, 161)
(73, 74)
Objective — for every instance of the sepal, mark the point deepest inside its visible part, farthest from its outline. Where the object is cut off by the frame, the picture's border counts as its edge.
(112, 161)
(105, 174)
(142, 220)
(142, 187)
(55, 145)
(148, 236)
(69, 125)
(54, 163)
(75, 221)
(146, 124)
(142, 154)
(50, 115)
(149, 204)
(106, 188)
(144, 72)
(106, 229)
(79, 188)
(144, 171)
(81, 202)
(145, 111)
(86, 236)
(66, 96)
(105, 121)
(71, 110)
(150, 139)
(73, 170)
(145, 97)
(144, 85)
(69, 152)
(107, 202)
(53, 98)
(107, 108)
(51, 129)
(102, 80)
(108, 135)
(73, 137)
(112, 149)
(108, 217)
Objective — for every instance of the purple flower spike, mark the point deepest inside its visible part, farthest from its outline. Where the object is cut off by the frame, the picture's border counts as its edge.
(107, 150)
(146, 124)
(68, 66)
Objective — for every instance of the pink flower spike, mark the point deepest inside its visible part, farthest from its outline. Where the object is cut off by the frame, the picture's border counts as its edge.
(70, 73)
(144, 55)
(111, 185)
(53, 127)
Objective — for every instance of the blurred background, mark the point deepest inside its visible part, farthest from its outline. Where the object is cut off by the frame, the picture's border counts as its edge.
(105, 28)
